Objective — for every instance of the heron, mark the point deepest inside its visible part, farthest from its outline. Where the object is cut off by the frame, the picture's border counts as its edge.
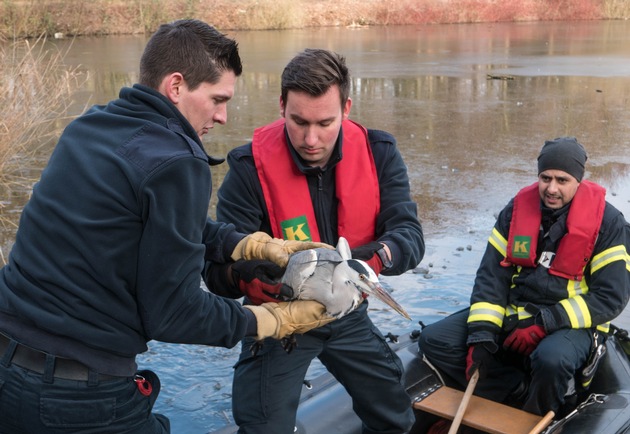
(334, 279)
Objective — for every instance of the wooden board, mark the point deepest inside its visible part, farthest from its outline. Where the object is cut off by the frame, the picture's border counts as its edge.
(482, 414)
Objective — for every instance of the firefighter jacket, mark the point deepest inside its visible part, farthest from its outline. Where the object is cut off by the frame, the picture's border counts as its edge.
(503, 289)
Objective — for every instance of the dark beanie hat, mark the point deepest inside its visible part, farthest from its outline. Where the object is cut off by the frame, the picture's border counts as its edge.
(563, 153)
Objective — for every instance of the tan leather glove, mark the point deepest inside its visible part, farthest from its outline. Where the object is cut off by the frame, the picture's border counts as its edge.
(277, 320)
(260, 245)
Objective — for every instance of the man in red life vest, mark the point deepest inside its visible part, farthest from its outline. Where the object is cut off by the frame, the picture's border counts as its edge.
(554, 274)
(316, 175)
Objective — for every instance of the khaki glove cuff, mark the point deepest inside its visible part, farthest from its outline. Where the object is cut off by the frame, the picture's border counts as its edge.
(298, 316)
(278, 320)
(267, 324)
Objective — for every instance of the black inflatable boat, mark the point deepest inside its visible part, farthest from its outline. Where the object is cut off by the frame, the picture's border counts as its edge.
(325, 406)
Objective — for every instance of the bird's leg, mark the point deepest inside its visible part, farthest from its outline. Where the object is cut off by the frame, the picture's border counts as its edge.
(255, 347)
(289, 343)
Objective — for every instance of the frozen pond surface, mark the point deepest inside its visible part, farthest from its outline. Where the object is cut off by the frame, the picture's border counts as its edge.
(470, 143)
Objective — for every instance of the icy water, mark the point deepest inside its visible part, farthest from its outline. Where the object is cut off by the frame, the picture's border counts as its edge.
(471, 105)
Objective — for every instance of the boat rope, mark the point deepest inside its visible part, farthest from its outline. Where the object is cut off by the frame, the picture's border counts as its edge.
(593, 398)
(430, 365)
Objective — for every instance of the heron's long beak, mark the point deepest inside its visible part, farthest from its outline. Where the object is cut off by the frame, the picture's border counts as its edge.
(379, 292)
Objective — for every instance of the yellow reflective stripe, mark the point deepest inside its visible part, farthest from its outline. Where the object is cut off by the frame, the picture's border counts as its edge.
(617, 253)
(576, 287)
(578, 312)
(605, 328)
(499, 243)
(523, 314)
(511, 310)
(520, 311)
(489, 312)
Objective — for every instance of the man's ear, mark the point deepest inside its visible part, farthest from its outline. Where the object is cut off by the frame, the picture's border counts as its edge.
(281, 107)
(346, 109)
(171, 86)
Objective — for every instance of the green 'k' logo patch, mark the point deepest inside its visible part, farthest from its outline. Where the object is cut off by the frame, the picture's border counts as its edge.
(296, 229)
(521, 246)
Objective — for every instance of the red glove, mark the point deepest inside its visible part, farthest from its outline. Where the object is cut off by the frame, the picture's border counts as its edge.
(367, 253)
(481, 358)
(525, 338)
(375, 264)
(259, 281)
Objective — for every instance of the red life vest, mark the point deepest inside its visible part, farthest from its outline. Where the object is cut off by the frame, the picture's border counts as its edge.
(286, 191)
(575, 249)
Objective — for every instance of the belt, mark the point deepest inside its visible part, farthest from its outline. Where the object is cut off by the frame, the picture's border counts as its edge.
(35, 361)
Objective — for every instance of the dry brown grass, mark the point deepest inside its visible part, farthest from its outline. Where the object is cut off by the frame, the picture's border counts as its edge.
(35, 92)
(20, 18)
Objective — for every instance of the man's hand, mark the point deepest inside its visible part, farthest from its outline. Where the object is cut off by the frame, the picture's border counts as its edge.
(525, 338)
(259, 280)
(278, 320)
(481, 358)
(260, 245)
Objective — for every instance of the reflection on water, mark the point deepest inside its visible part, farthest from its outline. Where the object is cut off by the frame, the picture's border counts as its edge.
(470, 142)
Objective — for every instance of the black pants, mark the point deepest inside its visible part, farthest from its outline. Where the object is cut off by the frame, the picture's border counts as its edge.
(551, 366)
(36, 403)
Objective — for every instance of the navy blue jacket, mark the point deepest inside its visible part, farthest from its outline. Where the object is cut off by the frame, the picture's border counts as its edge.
(241, 200)
(110, 247)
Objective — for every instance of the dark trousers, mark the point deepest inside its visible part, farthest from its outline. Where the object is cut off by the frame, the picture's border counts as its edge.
(36, 403)
(548, 369)
(267, 386)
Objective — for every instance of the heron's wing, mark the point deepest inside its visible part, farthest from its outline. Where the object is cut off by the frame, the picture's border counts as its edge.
(328, 255)
(300, 267)
(318, 285)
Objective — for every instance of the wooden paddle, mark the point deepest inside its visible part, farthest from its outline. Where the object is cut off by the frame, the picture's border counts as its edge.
(540, 426)
(464, 404)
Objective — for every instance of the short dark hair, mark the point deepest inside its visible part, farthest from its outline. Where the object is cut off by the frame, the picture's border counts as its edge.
(314, 71)
(195, 49)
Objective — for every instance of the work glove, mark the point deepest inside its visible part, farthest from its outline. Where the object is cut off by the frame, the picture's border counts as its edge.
(367, 253)
(259, 280)
(525, 338)
(278, 320)
(481, 357)
(260, 245)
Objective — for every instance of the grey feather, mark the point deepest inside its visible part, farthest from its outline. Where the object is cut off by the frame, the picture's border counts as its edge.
(334, 279)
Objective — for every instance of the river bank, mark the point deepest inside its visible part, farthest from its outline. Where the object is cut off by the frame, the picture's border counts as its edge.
(33, 18)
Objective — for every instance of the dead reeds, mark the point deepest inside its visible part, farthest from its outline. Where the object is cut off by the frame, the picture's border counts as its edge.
(28, 18)
(35, 92)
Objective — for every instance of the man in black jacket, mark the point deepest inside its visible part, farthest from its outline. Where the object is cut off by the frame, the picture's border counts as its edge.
(316, 175)
(111, 245)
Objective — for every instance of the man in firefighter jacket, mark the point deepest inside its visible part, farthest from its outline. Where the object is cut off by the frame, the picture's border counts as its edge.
(554, 274)
(315, 175)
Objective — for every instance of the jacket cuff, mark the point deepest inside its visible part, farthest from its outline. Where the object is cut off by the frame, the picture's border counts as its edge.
(487, 334)
(395, 252)
(554, 318)
(215, 277)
